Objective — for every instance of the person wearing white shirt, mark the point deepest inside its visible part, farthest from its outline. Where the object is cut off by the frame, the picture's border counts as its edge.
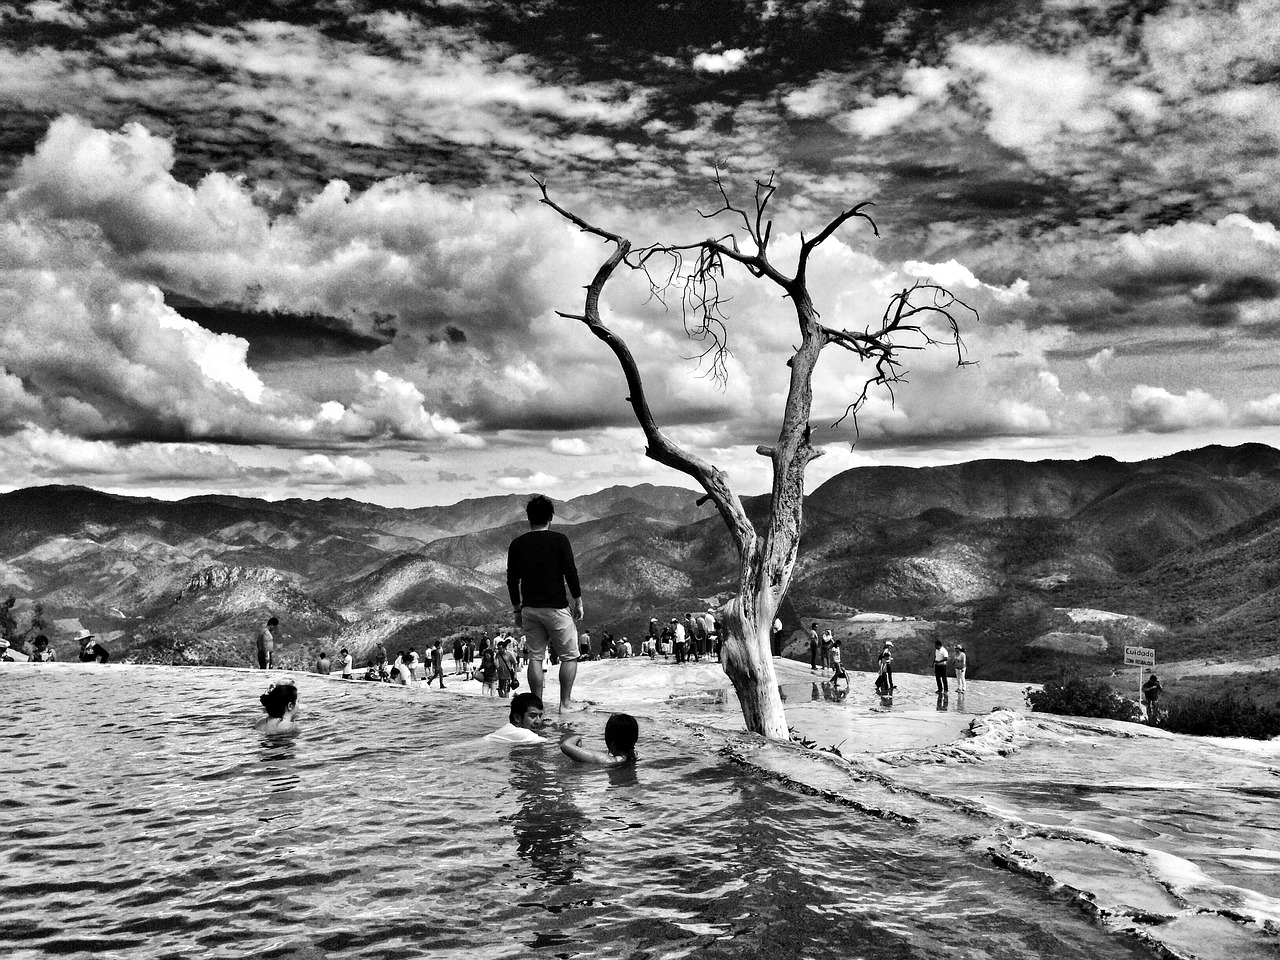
(522, 722)
(940, 660)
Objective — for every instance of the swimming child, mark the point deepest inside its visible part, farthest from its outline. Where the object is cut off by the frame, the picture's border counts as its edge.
(281, 703)
(620, 735)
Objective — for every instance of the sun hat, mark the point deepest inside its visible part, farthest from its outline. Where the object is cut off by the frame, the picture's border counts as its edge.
(888, 643)
(84, 635)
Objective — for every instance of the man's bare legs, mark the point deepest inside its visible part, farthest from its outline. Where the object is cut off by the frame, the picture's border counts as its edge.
(535, 677)
(568, 674)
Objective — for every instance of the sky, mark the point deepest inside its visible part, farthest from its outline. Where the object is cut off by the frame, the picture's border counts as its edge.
(298, 251)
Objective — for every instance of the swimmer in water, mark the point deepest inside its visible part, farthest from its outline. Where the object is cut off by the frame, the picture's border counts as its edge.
(620, 735)
(281, 703)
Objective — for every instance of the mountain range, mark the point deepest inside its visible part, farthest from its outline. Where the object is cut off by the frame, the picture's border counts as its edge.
(1034, 566)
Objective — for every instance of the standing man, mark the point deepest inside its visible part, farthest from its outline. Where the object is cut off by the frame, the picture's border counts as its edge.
(540, 566)
(813, 646)
(437, 664)
(777, 636)
(940, 660)
(677, 630)
(268, 636)
(1150, 695)
(961, 663)
(344, 661)
(884, 682)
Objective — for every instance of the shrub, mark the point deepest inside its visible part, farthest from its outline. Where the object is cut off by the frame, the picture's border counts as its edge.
(1080, 697)
(1224, 716)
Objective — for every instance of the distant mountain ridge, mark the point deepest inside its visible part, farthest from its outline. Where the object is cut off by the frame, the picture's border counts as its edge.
(990, 550)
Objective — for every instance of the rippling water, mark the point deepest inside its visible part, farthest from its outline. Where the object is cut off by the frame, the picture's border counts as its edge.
(144, 817)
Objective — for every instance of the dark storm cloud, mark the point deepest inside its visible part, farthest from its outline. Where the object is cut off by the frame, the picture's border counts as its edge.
(276, 336)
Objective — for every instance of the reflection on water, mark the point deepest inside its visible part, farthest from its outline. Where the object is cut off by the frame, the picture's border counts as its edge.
(547, 823)
(161, 825)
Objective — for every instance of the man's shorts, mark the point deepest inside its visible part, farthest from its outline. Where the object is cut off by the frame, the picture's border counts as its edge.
(554, 625)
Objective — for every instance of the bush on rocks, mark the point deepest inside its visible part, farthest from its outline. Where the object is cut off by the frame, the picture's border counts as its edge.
(1224, 716)
(1081, 697)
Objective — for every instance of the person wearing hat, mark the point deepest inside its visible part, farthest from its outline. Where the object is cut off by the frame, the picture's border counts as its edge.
(8, 654)
(91, 651)
(960, 661)
(884, 683)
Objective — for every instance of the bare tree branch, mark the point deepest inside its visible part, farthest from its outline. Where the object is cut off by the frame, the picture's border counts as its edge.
(659, 447)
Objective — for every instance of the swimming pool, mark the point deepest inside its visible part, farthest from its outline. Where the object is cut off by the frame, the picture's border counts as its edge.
(144, 817)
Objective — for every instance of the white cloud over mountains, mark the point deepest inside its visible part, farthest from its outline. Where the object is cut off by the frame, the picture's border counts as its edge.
(352, 189)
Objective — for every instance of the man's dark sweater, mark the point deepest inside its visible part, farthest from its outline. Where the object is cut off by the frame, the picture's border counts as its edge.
(539, 564)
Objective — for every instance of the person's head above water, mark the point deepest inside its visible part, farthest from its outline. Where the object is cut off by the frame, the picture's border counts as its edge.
(526, 711)
(279, 698)
(540, 510)
(620, 735)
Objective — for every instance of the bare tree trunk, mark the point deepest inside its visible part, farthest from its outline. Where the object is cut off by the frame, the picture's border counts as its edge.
(748, 656)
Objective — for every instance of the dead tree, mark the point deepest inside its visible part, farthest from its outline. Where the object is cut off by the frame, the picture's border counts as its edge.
(765, 560)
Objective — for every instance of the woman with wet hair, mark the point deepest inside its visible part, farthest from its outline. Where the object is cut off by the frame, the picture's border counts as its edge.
(281, 703)
(620, 735)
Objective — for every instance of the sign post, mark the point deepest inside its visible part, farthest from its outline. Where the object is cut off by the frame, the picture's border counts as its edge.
(1140, 657)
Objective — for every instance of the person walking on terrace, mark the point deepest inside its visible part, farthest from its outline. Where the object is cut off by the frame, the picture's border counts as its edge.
(540, 567)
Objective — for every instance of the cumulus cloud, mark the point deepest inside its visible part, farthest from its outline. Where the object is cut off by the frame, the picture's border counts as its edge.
(569, 446)
(1099, 362)
(50, 453)
(1034, 98)
(400, 248)
(532, 483)
(342, 471)
(1265, 411)
(724, 61)
(1159, 411)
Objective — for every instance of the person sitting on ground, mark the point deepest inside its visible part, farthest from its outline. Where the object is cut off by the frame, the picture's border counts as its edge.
(620, 735)
(91, 651)
(281, 703)
(400, 670)
(43, 653)
(322, 664)
(523, 721)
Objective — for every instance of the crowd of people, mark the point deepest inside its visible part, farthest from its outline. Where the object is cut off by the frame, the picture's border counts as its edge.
(39, 649)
